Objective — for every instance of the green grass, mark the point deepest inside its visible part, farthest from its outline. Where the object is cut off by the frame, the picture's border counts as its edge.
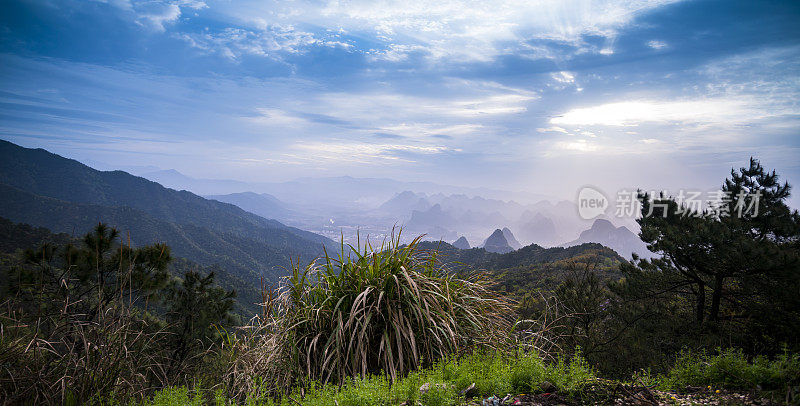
(491, 372)
(731, 369)
(498, 374)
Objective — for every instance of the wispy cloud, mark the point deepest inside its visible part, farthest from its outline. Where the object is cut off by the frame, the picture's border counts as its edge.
(274, 41)
(455, 30)
(364, 153)
(399, 107)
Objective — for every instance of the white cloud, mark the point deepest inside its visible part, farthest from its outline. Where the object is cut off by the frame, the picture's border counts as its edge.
(563, 77)
(193, 4)
(552, 130)
(273, 41)
(277, 117)
(576, 146)
(358, 152)
(720, 110)
(655, 44)
(422, 130)
(157, 14)
(457, 30)
(401, 108)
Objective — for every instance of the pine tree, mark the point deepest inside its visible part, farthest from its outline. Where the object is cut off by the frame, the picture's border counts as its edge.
(729, 255)
(87, 277)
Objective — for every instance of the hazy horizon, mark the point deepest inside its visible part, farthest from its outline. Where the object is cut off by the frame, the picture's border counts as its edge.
(536, 97)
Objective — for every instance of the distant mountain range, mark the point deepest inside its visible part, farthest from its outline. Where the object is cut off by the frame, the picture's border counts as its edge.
(262, 204)
(65, 196)
(337, 190)
(353, 207)
(543, 223)
(538, 229)
(620, 239)
(448, 217)
(237, 231)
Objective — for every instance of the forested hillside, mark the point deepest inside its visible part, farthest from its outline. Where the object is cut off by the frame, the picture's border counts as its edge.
(16, 238)
(526, 266)
(65, 196)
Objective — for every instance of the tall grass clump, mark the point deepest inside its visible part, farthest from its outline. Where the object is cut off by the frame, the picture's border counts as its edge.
(385, 311)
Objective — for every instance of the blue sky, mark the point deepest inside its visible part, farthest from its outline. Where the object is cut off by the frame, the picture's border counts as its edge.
(544, 96)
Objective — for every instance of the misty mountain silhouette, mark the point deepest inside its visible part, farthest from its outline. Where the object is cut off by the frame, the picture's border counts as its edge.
(619, 239)
(461, 243)
(509, 236)
(497, 243)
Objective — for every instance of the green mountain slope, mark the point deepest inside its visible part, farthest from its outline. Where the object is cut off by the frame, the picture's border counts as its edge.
(247, 257)
(528, 268)
(530, 255)
(46, 174)
(65, 196)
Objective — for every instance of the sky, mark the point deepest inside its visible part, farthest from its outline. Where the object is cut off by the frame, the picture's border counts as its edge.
(544, 96)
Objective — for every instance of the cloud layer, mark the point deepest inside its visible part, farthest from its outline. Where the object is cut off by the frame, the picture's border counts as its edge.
(468, 92)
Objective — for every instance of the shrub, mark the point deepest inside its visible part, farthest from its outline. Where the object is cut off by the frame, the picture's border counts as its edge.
(527, 373)
(443, 395)
(76, 326)
(570, 377)
(731, 369)
(488, 370)
(388, 311)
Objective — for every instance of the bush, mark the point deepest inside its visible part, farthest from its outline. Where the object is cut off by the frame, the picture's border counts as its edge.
(489, 371)
(391, 311)
(731, 369)
(569, 377)
(527, 373)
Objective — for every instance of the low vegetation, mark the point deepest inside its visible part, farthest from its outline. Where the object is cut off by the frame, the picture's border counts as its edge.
(103, 319)
(732, 369)
(98, 321)
(496, 374)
